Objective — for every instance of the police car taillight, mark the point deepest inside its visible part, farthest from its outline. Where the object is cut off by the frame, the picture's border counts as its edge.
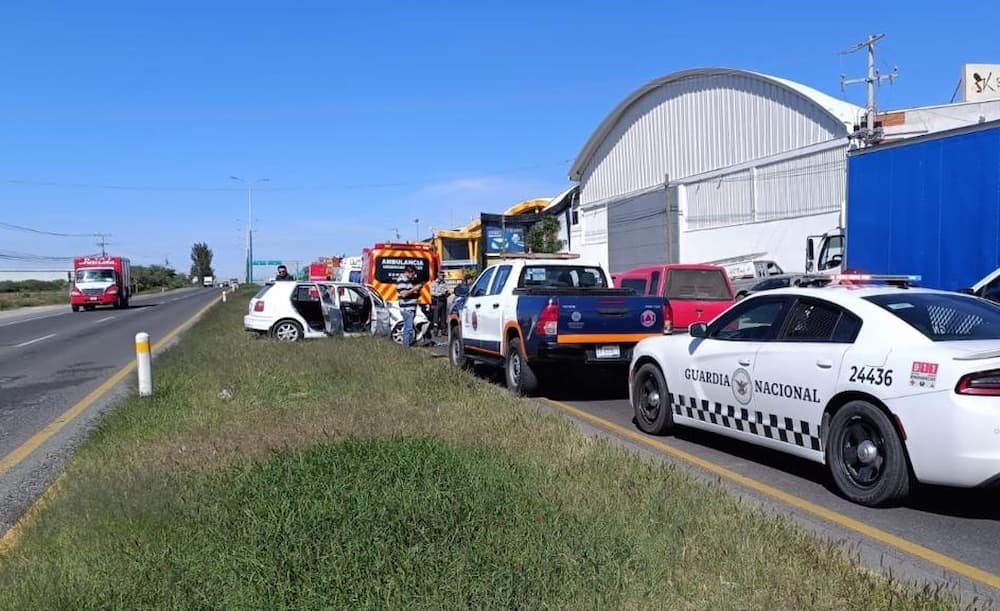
(668, 319)
(980, 383)
(548, 320)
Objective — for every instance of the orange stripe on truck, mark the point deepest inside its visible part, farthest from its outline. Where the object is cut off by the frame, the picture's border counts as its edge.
(604, 338)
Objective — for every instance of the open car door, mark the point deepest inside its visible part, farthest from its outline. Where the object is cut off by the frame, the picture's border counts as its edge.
(332, 316)
(380, 323)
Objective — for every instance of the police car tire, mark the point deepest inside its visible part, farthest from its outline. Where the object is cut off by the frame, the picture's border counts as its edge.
(456, 352)
(526, 383)
(893, 482)
(664, 420)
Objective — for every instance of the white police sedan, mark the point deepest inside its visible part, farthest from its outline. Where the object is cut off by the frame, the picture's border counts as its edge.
(886, 385)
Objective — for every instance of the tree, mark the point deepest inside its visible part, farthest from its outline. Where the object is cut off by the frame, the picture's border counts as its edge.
(201, 261)
(544, 236)
(156, 276)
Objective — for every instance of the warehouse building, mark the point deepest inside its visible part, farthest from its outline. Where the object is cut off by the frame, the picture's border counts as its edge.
(709, 164)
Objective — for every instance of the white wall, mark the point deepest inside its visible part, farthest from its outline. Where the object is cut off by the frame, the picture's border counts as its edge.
(783, 240)
(22, 274)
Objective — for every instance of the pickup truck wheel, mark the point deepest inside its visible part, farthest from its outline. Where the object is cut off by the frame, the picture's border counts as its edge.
(76, 308)
(865, 457)
(521, 379)
(651, 401)
(287, 331)
(456, 352)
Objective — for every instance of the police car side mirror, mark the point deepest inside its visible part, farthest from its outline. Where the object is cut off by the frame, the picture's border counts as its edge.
(698, 329)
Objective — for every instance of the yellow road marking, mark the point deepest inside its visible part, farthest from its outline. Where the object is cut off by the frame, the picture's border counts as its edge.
(24, 450)
(914, 549)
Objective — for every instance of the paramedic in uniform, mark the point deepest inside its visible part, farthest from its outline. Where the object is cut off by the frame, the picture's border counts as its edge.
(439, 304)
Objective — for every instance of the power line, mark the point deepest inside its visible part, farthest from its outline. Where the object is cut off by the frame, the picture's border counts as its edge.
(346, 186)
(21, 228)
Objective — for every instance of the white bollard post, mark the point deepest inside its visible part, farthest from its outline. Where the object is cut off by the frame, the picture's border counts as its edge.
(223, 296)
(144, 364)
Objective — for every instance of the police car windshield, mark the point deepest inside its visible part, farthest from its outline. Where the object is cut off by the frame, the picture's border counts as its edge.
(942, 317)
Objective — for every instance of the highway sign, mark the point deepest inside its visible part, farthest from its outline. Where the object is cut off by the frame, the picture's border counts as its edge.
(263, 262)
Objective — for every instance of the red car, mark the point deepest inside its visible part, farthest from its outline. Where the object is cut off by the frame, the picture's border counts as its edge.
(697, 293)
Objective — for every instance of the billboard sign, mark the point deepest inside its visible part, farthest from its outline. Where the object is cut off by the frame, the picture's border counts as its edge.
(980, 82)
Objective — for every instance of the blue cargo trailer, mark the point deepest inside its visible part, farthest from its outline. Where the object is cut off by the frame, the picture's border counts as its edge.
(928, 205)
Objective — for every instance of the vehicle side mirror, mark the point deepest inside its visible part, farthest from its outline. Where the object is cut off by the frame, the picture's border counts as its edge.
(698, 329)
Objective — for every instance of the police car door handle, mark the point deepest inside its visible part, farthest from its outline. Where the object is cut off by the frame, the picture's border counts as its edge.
(496, 305)
(824, 364)
(745, 362)
(479, 305)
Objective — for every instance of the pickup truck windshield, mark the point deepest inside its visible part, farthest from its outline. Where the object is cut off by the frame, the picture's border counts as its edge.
(562, 276)
(942, 317)
(697, 285)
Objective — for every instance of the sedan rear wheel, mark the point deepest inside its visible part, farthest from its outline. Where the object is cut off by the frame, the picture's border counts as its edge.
(287, 331)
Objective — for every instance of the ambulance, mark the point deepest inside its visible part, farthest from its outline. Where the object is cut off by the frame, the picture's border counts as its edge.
(384, 264)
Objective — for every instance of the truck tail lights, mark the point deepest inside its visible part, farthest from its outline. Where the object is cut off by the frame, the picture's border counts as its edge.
(668, 319)
(980, 383)
(548, 320)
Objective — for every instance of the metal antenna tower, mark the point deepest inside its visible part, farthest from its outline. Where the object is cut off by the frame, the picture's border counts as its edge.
(874, 78)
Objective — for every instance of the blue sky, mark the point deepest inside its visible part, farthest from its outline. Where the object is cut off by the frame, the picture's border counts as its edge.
(367, 115)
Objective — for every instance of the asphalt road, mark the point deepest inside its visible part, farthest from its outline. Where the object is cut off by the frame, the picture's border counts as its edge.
(50, 359)
(961, 524)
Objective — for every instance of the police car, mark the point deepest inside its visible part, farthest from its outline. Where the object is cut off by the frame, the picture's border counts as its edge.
(886, 385)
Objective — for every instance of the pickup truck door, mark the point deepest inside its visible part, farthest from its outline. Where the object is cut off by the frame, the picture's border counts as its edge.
(474, 338)
(491, 315)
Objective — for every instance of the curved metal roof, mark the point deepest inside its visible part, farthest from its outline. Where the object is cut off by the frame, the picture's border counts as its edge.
(841, 111)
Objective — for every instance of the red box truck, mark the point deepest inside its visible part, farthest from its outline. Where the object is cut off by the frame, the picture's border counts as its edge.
(100, 281)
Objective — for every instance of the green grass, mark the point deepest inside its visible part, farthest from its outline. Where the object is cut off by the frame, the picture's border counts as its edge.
(352, 474)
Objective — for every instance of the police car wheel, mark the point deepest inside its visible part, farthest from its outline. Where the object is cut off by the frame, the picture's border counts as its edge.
(397, 333)
(521, 379)
(865, 456)
(650, 401)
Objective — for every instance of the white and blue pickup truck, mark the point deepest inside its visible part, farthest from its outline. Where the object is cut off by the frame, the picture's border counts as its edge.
(535, 316)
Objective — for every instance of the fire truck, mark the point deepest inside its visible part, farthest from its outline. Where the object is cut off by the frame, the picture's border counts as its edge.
(100, 281)
(384, 264)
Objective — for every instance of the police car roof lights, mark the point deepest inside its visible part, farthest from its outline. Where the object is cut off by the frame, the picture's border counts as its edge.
(900, 280)
(540, 255)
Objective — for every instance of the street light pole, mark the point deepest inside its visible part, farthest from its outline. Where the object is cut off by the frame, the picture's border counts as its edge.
(250, 184)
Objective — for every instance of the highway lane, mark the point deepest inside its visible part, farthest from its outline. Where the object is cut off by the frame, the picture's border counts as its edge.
(961, 524)
(52, 359)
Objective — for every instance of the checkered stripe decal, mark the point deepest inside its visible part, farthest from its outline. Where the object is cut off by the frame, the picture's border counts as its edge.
(788, 430)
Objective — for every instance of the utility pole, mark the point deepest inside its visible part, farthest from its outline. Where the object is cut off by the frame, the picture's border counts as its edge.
(873, 79)
(250, 184)
(102, 241)
(417, 223)
(396, 230)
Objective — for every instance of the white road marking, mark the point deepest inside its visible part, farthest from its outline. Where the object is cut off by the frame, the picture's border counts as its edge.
(32, 341)
(17, 322)
(105, 318)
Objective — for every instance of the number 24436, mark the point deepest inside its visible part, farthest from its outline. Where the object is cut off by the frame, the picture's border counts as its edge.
(871, 375)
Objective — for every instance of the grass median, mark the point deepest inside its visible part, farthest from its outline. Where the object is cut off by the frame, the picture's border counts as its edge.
(353, 474)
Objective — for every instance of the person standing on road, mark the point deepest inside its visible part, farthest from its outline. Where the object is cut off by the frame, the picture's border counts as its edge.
(408, 290)
(283, 274)
(439, 304)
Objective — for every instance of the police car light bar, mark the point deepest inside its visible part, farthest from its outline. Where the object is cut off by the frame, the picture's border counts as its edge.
(878, 277)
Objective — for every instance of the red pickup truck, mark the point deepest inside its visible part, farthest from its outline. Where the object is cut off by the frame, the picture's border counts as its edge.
(696, 293)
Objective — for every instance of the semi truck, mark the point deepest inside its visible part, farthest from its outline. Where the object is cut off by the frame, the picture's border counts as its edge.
(927, 206)
(100, 281)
